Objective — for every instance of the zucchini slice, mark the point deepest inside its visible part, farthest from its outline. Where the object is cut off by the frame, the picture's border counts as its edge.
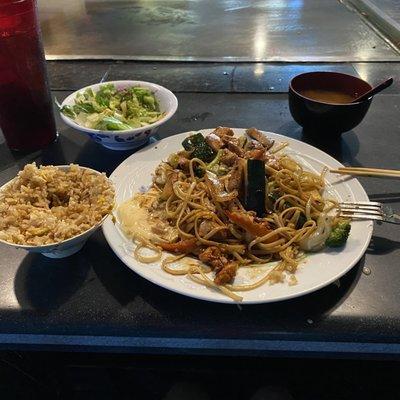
(255, 187)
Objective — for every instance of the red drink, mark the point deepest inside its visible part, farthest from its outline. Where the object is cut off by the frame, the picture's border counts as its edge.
(26, 112)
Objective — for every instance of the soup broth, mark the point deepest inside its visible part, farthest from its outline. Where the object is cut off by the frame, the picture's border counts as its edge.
(328, 96)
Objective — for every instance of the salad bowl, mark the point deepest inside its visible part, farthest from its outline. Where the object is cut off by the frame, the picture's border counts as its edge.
(115, 134)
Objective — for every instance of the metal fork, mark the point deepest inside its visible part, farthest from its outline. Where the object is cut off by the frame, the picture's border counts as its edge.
(368, 210)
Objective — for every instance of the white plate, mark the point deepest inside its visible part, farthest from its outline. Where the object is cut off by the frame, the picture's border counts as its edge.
(320, 269)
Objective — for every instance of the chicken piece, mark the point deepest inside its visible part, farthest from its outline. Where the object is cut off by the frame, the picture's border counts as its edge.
(207, 226)
(256, 154)
(223, 131)
(228, 157)
(272, 161)
(182, 247)
(214, 141)
(234, 148)
(231, 139)
(253, 145)
(253, 225)
(172, 177)
(234, 144)
(161, 174)
(225, 270)
(263, 154)
(216, 188)
(226, 274)
(216, 184)
(260, 137)
(235, 178)
(214, 257)
(183, 163)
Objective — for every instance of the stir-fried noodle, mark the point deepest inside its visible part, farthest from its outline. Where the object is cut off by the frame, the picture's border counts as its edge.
(197, 208)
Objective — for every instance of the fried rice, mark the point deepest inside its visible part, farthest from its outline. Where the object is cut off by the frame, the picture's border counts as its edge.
(47, 205)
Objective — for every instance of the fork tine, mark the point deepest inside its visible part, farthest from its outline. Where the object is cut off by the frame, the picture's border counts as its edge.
(361, 211)
(362, 216)
(371, 210)
(362, 203)
(359, 207)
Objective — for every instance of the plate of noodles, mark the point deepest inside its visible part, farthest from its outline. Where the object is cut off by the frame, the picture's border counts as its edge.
(235, 216)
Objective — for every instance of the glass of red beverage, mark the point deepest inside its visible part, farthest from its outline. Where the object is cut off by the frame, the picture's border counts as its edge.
(26, 112)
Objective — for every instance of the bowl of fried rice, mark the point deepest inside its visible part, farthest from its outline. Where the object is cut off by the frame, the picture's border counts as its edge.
(53, 210)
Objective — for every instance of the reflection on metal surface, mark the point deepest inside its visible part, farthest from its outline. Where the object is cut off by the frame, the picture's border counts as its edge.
(258, 69)
(208, 30)
(389, 7)
(362, 70)
(260, 38)
(381, 22)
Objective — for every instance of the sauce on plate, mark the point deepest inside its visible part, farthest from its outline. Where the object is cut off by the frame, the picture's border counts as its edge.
(328, 96)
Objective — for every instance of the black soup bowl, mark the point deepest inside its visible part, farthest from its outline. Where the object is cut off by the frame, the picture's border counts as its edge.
(321, 117)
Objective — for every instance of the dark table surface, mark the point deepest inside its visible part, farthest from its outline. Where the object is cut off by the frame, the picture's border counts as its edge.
(92, 302)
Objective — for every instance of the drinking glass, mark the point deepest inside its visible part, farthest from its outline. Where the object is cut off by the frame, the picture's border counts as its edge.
(26, 112)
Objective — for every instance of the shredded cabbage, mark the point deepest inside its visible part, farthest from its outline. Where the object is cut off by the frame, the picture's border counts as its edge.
(110, 109)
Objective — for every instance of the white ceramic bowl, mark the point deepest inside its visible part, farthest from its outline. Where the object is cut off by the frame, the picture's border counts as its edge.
(132, 138)
(66, 247)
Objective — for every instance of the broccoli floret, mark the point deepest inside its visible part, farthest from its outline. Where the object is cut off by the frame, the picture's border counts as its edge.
(339, 234)
(199, 148)
(204, 152)
(191, 141)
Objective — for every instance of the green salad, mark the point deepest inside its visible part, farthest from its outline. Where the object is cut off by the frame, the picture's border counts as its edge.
(110, 109)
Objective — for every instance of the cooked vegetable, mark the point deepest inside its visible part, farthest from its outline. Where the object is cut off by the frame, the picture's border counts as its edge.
(255, 226)
(192, 141)
(184, 246)
(173, 160)
(273, 197)
(339, 234)
(111, 109)
(199, 148)
(112, 124)
(301, 221)
(255, 187)
(68, 111)
(203, 152)
(217, 165)
(317, 240)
